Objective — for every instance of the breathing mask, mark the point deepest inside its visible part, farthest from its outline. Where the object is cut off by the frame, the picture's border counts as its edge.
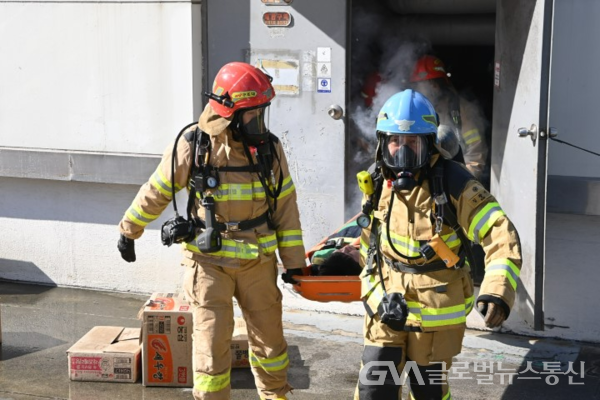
(252, 125)
(404, 155)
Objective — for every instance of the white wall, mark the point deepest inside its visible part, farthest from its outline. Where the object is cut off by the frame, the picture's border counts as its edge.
(81, 81)
(90, 76)
(575, 88)
(65, 233)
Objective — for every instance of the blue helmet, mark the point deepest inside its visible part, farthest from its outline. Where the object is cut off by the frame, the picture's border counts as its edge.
(407, 112)
(407, 127)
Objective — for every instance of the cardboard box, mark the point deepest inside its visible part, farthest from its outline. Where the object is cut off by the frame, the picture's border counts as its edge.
(106, 353)
(239, 345)
(167, 341)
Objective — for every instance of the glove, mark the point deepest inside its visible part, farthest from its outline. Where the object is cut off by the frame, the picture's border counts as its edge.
(287, 275)
(493, 314)
(127, 248)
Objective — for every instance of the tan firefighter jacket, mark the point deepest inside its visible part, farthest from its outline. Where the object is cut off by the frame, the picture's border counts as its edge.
(472, 140)
(239, 197)
(441, 300)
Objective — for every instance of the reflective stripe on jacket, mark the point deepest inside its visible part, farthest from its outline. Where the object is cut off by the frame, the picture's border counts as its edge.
(442, 299)
(240, 196)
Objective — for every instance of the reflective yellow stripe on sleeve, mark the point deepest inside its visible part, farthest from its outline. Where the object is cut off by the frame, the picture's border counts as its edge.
(287, 187)
(268, 243)
(472, 136)
(484, 220)
(211, 383)
(290, 238)
(139, 217)
(269, 364)
(504, 267)
(162, 184)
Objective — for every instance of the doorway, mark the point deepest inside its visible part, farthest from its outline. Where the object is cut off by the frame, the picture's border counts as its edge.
(386, 40)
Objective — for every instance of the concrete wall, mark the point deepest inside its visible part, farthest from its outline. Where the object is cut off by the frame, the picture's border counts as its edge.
(90, 94)
(575, 88)
(65, 233)
(101, 77)
(572, 237)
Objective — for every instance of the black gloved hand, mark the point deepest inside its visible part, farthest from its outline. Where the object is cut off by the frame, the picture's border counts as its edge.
(493, 314)
(287, 275)
(127, 248)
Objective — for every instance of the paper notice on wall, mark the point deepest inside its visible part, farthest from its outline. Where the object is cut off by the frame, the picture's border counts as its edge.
(285, 74)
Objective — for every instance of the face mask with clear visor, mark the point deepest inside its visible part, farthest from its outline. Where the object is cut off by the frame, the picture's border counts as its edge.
(404, 152)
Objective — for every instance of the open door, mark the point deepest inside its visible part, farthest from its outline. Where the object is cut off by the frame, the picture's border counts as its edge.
(519, 145)
(302, 45)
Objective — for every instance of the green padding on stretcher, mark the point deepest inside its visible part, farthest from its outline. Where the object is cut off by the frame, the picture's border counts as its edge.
(320, 256)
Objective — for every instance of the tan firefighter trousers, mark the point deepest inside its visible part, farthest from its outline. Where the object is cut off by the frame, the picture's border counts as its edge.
(211, 288)
(430, 355)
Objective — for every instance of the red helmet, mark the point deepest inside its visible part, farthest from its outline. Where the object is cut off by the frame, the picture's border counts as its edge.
(428, 67)
(239, 85)
(368, 91)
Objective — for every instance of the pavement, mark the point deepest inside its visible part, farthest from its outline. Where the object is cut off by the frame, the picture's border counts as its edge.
(39, 324)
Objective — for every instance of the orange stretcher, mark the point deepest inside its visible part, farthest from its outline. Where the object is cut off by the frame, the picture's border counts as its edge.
(345, 288)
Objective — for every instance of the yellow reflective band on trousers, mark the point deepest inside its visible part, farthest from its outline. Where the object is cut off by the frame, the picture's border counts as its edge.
(269, 364)
(211, 383)
(229, 248)
(471, 136)
(239, 191)
(268, 243)
(404, 244)
(290, 238)
(139, 217)
(483, 221)
(162, 184)
(436, 317)
(504, 267)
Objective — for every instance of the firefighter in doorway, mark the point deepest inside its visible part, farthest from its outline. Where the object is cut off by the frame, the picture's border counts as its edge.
(429, 77)
(416, 285)
(237, 172)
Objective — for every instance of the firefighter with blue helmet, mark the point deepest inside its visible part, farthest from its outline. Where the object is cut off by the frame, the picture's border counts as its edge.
(416, 283)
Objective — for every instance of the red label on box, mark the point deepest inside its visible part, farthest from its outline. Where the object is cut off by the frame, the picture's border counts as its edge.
(182, 375)
(184, 308)
(86, 363)
(160, 359)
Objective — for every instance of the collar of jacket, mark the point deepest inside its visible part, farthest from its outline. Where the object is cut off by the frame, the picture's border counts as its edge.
(212, 123)
(216, 127)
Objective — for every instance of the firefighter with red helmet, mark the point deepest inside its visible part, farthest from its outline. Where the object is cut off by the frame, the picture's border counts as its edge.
(429, 77)
(231, 158)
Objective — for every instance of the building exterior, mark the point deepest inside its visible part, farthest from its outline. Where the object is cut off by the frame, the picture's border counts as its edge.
(91, 93)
